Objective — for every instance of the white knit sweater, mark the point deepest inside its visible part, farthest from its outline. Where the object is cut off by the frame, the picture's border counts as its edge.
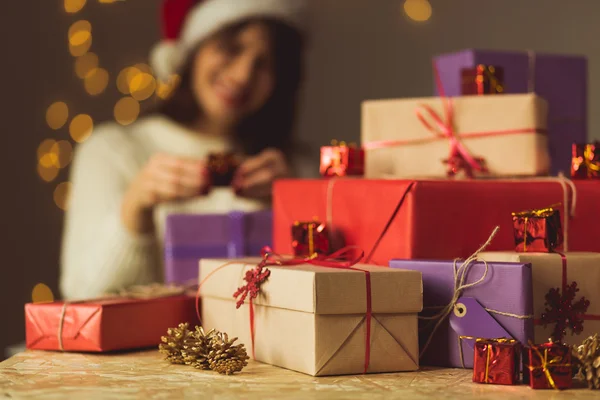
(98, 253)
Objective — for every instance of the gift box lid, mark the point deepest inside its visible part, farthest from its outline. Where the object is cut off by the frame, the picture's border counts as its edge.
(320, 290)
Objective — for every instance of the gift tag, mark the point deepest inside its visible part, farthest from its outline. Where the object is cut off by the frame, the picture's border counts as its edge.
(470, 319)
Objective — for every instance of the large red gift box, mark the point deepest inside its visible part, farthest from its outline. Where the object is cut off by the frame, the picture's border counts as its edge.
(436, 219)
(105, 325)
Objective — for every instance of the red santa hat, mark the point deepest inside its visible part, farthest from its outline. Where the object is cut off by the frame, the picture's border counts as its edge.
(185, 23)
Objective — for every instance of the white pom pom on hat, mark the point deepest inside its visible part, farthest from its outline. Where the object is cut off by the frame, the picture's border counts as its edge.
(185, 23)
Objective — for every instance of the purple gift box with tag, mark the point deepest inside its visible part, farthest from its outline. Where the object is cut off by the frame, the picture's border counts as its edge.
(493, 300)
(560, 79)
(190, 237)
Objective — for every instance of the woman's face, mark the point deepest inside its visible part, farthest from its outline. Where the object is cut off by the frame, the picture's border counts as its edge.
(234, 76)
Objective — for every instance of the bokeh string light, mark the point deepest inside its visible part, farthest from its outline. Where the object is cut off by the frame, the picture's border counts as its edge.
(137, 83)
(418, 10)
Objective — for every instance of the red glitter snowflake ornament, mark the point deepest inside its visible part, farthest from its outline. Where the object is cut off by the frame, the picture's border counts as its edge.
(563, 311)
(254, 278)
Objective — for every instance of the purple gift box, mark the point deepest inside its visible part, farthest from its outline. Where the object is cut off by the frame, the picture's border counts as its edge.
(560, 79)
(493, 304)
(190, 237)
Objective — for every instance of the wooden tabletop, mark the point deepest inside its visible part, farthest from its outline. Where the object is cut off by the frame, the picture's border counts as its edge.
(145, 375)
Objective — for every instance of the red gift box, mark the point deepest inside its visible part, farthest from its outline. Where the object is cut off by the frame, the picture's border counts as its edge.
(342, 160)
(105, 325)
(482, 79)
(310, 238)
(437, 219)
(548, 366)
(538, 231)
(497, 361)
(585, 162)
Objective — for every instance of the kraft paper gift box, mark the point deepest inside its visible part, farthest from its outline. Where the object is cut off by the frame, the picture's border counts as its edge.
(505, 133)
(481, 311)
(549, 272)
(312, 319)
(190, 237)
(560, 79)
(105, 325)
(360, 209)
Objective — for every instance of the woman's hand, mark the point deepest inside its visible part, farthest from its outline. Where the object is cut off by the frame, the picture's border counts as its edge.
(255, 176)
(164, 178)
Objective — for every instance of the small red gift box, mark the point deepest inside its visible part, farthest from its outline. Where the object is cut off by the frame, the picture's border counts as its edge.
(221, 168)
(497, 361)
(105, 325)
(548, 366)
(342, 160)
(585, 162)
(482, 79)
(309, 238)
(538, 231)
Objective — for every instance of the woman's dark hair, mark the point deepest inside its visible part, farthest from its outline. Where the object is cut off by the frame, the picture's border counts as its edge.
(272, 125)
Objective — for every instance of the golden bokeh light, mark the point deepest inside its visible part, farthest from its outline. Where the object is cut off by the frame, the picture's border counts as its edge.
(165, 89)
(418, 10)
(108, 1)
(78, 51)
(85, 64)
(81, 127)
(46, 155)
(41, 293)
(80, 38)
(96, 81)
(142, 86)
(124, 79)
(57, 115)
(61, 195)
(63, 151)
(47, 174)
(127, 110)
(74, 6)
(80, 32)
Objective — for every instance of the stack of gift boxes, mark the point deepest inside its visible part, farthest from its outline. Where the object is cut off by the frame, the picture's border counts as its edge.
(449, 237)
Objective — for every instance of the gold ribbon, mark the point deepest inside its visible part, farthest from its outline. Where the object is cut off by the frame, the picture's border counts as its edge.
(311, 240)
(547, 364)
(139, 292)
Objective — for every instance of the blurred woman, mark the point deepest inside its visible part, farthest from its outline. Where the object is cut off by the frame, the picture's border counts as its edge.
(240, 69)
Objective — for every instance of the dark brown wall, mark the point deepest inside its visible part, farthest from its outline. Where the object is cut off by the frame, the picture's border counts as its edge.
(362, 49)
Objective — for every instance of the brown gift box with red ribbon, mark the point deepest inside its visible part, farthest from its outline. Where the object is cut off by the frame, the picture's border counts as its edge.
(566, 299)
(105, 325)
(435, 137)
(313, 319)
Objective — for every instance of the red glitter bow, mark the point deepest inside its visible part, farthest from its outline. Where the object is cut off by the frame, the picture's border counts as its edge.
(254, 278)
(563, 311)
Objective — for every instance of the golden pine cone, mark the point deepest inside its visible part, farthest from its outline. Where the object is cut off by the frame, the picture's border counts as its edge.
(588, 357)
(224, 357)
(196, 348)
(172, 344)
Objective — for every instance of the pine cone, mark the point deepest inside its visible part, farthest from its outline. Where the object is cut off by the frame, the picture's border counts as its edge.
(196, 348)
(172, 344)
(224, 357)
(588, 356)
